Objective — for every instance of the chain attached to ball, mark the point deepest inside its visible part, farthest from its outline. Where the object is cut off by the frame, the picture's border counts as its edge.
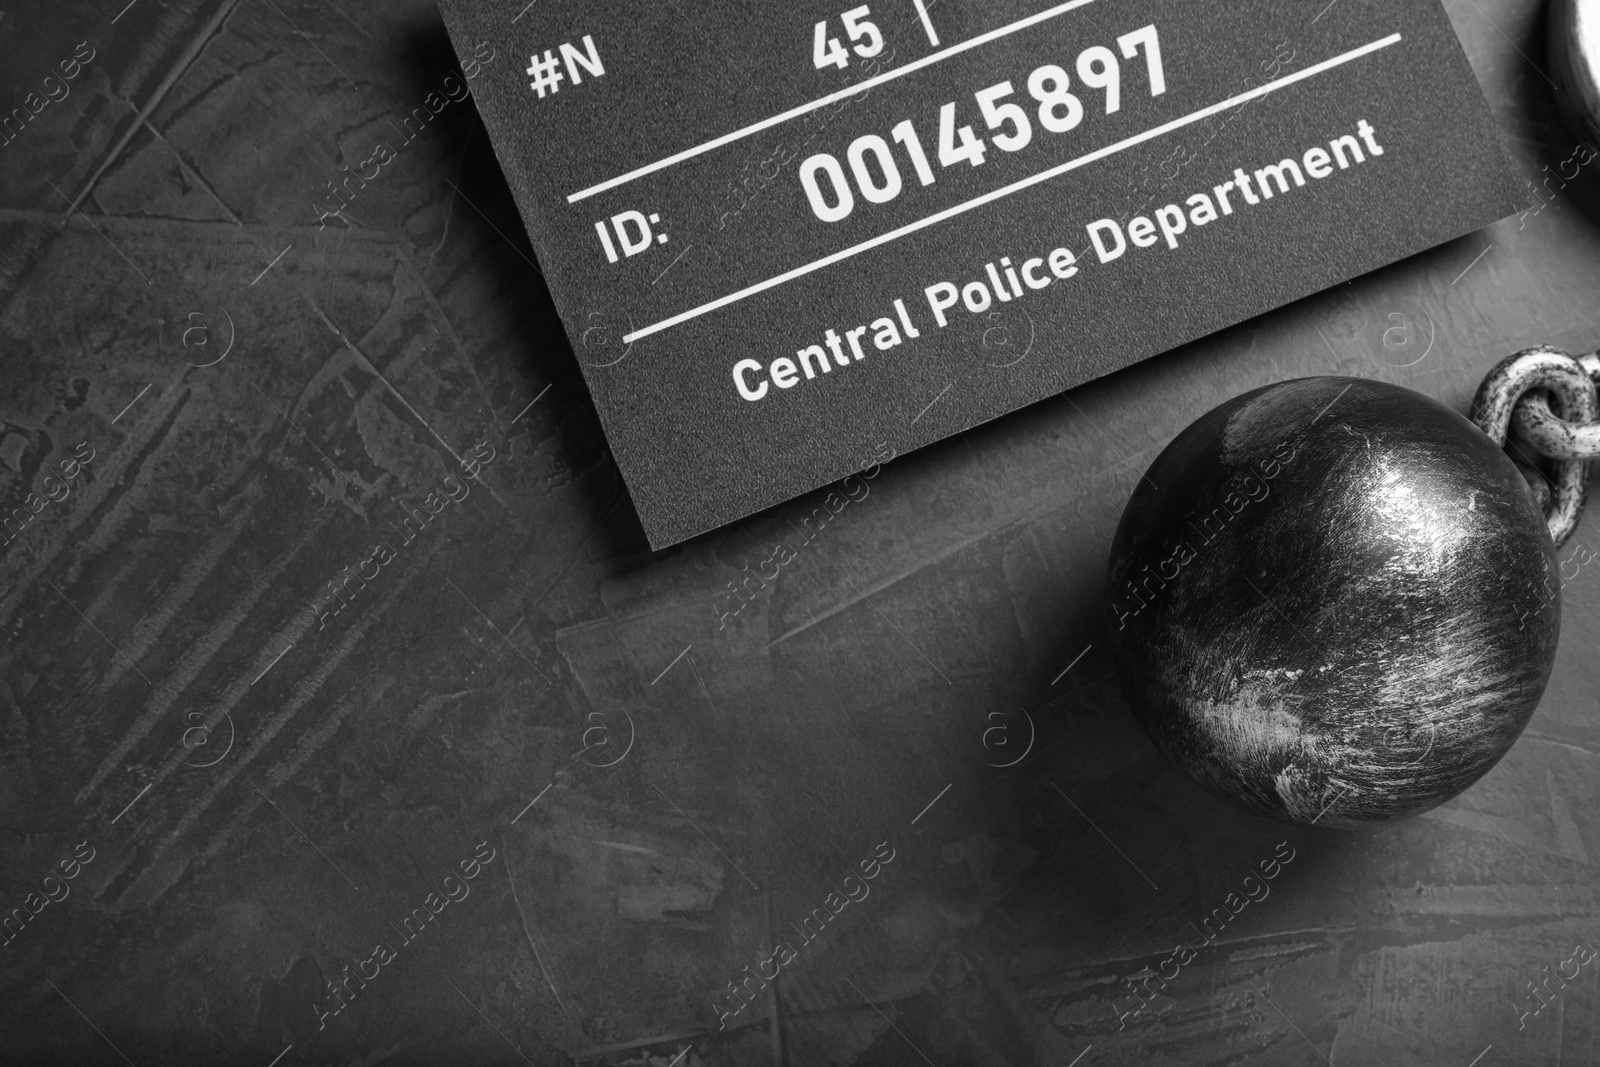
(1513, 408)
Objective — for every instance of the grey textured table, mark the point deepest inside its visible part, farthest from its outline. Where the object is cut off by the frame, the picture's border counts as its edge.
(569, 790)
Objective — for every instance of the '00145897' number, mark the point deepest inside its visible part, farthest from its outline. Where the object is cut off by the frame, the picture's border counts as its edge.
(877, 175)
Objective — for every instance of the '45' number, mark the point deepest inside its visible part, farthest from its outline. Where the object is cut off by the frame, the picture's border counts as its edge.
(828, 52)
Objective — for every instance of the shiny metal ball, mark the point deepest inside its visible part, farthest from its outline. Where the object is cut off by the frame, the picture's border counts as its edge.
(1333, 600)
(1574, 48)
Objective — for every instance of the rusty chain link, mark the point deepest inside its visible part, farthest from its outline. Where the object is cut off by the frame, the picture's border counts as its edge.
(1513, 407)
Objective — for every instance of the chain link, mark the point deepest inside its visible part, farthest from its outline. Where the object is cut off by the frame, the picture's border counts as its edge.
(1513, 407)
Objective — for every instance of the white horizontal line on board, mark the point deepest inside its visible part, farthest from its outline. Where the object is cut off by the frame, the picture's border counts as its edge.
(824, 101)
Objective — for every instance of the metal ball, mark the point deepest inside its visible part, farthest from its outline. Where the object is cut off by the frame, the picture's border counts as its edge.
(1333, 600)
(1574, 46)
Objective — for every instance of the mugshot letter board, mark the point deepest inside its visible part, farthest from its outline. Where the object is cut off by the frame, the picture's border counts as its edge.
(786, 238)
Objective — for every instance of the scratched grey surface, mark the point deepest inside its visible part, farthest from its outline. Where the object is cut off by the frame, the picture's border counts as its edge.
(265, 798)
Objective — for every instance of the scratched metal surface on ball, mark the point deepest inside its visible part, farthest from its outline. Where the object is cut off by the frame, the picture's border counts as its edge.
(1334, 600)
